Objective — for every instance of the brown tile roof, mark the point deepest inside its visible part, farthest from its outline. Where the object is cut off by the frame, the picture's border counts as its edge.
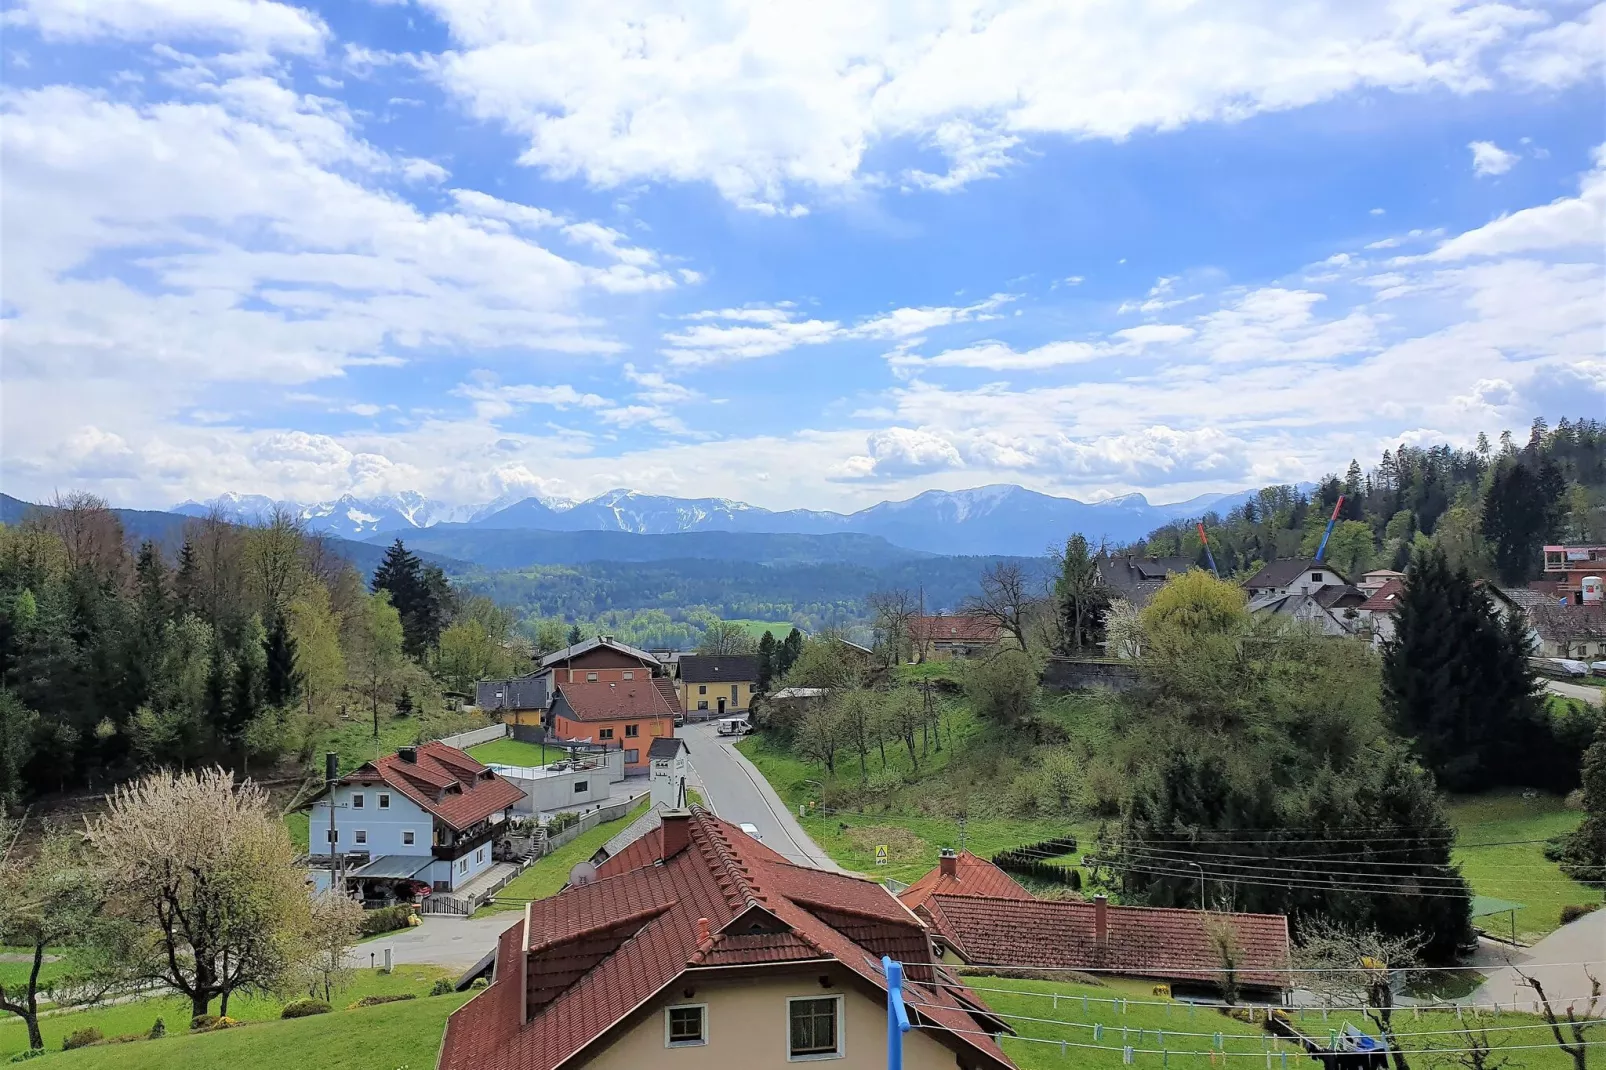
(601, 950)
(958, 627)
(972, 876)
(444, 782)
(1154, 942)
(606, 700)
(666, 687)
(1385, 598)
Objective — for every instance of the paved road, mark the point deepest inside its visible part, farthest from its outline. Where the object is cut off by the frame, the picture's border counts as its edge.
(456, 943)
(1559, 961)
(737, 792)
(1587, 692)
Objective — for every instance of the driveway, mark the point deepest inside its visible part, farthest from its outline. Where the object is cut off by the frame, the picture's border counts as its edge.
(737, 792)
(456, 943)
(1565, 689)
(1559, 961)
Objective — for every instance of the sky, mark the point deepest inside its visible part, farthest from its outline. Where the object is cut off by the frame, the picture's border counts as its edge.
(801, 255)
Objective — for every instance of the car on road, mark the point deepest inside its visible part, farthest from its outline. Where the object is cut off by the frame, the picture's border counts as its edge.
(1598, 668)
(1568, 667)
(750, 829)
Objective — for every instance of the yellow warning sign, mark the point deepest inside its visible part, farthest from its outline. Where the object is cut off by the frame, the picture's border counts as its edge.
(880, 854)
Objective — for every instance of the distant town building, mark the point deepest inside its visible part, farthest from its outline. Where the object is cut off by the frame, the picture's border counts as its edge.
(717, 685)
(955, 635)
(1137, 578)
(1572, 568)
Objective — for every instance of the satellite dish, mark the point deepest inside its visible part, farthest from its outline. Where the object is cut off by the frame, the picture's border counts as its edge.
(582, 874)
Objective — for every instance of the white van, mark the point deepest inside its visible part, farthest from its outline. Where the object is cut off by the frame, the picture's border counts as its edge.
(734, 726)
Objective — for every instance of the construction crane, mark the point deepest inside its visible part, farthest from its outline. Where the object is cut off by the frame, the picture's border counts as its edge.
(1210, 557)
(1322, 549)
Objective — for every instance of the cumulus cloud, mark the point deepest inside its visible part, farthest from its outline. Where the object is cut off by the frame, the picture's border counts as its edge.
(768, 103)
(256, 25)
(1490, 159)
(1568, 222)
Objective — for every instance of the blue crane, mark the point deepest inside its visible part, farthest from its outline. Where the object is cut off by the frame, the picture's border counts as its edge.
(1210, 557)
(1322, 549)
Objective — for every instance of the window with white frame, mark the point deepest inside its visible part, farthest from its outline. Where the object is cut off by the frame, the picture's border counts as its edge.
(591, 677)
(384, 800)
(361, 835)
(628, 674)
(408, 837)
(814, 1027)
(462, 865)
(686, 1025)
(357, 800)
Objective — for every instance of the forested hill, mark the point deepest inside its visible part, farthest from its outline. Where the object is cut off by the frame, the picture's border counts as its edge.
(1491, 508)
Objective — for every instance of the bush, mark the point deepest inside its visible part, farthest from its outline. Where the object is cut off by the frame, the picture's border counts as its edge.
(441, 987)
(202, 1021)
(158, 1031)
(126, 1038)
(1029, 860)
(304, 1008)
(374, 1001)
(225, 1022)
(479, 982)
(1573, 911)
(82, 1038)
(385, 919)
(31, 1053)
(561, 821)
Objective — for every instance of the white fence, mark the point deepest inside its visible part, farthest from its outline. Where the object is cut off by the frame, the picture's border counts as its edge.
(464, 740)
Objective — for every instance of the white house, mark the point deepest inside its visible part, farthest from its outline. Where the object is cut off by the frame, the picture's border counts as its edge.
(426, 814)
(669, 767)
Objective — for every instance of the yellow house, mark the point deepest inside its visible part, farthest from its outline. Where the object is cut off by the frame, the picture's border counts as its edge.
(716, 685)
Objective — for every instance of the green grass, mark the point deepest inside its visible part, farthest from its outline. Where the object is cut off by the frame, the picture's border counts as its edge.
(512, 752)
(14, 974)
(353, 738)
(755, 629)
(550, 873)
(138, 1015)
(1517, 872)
(395, 1036)
(930, 670)
(296, 825)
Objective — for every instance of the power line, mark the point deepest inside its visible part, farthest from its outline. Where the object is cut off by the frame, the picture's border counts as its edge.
(1359, 887)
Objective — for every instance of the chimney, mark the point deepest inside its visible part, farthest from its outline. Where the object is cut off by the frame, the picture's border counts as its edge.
(408, 754)
(675, 832)
(704, 934)
(1101, 920)
(948, 862)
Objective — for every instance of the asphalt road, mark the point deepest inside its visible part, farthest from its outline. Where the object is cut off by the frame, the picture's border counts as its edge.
(735, 791)
(1561, 961)
(456, 943)
(1587, 692)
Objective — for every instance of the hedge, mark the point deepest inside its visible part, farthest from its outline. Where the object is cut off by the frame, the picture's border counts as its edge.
(304, 1008)
(386, 919)
(1028, 860)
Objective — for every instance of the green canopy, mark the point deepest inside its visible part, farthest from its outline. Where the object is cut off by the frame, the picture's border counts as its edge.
(1484, 905)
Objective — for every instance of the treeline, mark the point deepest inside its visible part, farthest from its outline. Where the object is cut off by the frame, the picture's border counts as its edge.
(243, 647)
(1490, 508)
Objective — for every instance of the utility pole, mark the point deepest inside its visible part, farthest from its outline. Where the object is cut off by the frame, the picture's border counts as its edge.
(331, 774)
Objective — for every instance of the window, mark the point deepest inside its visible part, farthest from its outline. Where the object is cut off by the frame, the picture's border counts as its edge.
(384, 800)
(407, 837)
(632, 731)
(735, 692)
(605, 733)
(462, 865)
(632, 757)
(479, 856)
(591, 677)
(332, 835)
(702, 689)
(702, 705)
(580, 787)
(357, 801)
(686, 1026)
(628, 674)
(361, 835)
(1316, 577)
(812, 1028)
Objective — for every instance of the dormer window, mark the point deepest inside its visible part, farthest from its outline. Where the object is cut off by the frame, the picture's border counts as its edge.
(1316, 577)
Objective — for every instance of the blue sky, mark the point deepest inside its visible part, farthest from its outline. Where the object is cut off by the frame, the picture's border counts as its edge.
(802, 255)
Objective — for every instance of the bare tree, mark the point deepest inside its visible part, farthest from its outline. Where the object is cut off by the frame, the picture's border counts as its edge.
(723, 637)
(894, 612)
(1573, 1039)
(1223, 938)
(89, 531)
(1360, 966)
(333, 925)
(1006, 600)
(820, 736)
(275, 560)
(1471, 1049)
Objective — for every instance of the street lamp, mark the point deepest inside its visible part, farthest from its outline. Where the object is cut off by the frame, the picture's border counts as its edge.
(1202, 904)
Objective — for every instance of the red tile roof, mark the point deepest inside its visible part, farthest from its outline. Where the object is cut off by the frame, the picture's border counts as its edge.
(599, 951)
(1385, 598)
(972, 876)
(666, 687)
(1142, 941)
(962, 628)
(605, 700)
(443, 781)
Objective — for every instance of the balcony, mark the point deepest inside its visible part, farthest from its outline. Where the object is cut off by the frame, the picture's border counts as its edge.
(1566, 559)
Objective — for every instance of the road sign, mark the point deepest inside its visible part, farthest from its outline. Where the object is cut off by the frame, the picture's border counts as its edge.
(880, 854)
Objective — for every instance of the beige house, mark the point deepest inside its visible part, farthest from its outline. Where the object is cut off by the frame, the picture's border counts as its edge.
(697, 946)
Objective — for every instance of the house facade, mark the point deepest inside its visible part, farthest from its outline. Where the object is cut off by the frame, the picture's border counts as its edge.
(1379, 609)
(696, 946)
(600, 659)
(628, 713)
(522, 700)
(1572, 568)
(427, 814)
(1309, 592)
(671, 766)
(716, 685)
(953, 635)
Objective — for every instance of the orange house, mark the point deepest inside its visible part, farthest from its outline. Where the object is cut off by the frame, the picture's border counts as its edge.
(629, 714)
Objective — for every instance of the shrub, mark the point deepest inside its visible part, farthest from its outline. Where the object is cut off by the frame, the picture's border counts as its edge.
(304, 1008)
(158, 1031)
(225, 1022)
(82, 1038)
(374, 1001)
(385, 919)
(31, 1053)
(1573, 911)
(479, 982)
(441, 987)
(202, 1021)
(126, 1038)
(1029, 860)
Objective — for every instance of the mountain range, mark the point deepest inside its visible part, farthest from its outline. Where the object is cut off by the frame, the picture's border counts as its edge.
(997, 519)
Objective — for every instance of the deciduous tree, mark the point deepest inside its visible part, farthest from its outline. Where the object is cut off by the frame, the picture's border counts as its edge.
(1006, 599)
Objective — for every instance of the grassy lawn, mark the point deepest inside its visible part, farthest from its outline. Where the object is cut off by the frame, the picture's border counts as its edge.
(755, 629)
(296, 825)
(137, 1016)
(1517, 872)
(353, 738)
(550, 873)
(396, 1036)
(14, 973)
(512, 752)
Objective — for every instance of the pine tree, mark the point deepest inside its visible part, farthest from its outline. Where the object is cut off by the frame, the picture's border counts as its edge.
(787, 653)
(186, 584)
(152, 612)
(282, 678)
(766, 661)
(419, 595)
(1586, 848)
(404, 703)
(1520, 509)
(574, 635)
(245, 701)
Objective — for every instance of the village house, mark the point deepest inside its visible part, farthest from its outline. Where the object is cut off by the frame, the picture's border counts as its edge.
(627, 713)
(1137, 578)
(1577, 632)
(1373, 581)
(979, 916)
(1310, 592)
(956, 635)
(522, 700)
(717, 685)
(1577, 572)
(424, 815)
(601, 658)
(1379, 610)
(697, 946)
(671, 767)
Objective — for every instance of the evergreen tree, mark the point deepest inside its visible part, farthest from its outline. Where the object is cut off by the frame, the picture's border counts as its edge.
(1585, 856)
(187, 581)
(419, 595)
(787, 653)
(1080, 598)
(574, 635)
(404, 702)
(766, 661)
(245, 702)
(153, 611)
(1520, 509)
(1456, 680)
(282, 677)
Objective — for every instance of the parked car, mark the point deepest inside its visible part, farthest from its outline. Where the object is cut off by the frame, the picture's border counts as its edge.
(1569, 667)
(1598, 668)
(750, 829)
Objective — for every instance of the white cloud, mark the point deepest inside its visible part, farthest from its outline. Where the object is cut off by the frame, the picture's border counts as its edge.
(1568, 222)
(772, 102)
(995, 356)
(1155, 332)
(1562, 55)
(259, 25)
(1490, 159)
